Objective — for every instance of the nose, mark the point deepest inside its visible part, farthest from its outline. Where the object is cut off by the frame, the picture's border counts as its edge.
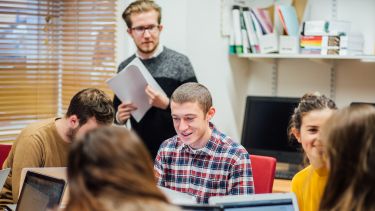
(182, 126)
(147, 33)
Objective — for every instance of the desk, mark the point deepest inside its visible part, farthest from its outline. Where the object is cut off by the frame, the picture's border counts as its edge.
(281, 186)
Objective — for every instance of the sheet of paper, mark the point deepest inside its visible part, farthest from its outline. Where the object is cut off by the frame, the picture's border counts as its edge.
(129, 86)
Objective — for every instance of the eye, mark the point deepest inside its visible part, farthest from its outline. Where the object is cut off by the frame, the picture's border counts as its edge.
(189, 119)
(175, 119)
(312, 130)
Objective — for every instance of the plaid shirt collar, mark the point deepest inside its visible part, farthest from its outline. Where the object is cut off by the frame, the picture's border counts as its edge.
(208, 149)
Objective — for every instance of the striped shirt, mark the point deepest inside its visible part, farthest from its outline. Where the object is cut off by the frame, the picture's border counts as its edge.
(220, 168)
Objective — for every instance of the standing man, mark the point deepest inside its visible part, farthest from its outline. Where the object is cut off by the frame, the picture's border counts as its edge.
(46, 143)
(169, 68)
(200, 160)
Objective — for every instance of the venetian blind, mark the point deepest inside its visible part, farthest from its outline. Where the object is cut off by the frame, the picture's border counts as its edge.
(50, 49)
(88, 45)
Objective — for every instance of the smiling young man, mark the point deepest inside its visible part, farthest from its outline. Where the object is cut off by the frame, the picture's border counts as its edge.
(169, 68)
(46, 143)
(200, 160)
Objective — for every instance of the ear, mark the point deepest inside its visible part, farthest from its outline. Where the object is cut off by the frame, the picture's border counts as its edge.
(129, 30)
(296, 134)
(211, 112)
(161, 28)
(73, 121)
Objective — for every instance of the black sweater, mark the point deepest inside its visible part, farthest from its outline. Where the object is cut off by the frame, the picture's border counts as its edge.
(170, 69)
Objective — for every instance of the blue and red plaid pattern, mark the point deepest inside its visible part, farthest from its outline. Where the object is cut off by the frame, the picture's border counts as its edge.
(222, 167)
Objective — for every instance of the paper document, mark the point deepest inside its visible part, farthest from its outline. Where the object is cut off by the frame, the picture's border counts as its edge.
(129, 86)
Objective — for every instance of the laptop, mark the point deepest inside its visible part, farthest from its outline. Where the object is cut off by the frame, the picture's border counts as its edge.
(39, 192)
(200, 207)
(3, 177)
(257, 202)
(56, 172)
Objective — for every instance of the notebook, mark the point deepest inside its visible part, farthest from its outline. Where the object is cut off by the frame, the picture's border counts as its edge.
(257, 202)
(40, 192)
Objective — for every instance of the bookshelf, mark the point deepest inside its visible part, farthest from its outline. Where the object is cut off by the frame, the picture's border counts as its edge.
(363, 58)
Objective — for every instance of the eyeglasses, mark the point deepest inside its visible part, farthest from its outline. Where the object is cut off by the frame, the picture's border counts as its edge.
(140, 30)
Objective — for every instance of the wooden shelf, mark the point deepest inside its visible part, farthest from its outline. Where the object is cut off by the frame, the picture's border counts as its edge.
(363, 58)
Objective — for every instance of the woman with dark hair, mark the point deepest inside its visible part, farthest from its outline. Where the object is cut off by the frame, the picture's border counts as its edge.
(305, 125)
(349, 147)
(110, 169)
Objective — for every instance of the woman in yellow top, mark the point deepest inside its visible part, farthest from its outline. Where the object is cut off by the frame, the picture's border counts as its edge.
(308, 184)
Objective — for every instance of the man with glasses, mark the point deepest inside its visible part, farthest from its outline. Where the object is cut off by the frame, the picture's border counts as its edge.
(169, 68)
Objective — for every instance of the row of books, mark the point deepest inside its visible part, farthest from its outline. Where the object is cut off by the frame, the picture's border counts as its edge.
(330, 38)
(254, 31)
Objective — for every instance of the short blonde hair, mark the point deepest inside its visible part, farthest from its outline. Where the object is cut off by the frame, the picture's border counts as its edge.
(140, 6)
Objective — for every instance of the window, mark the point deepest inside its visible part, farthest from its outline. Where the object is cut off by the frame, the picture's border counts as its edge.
(49, 50)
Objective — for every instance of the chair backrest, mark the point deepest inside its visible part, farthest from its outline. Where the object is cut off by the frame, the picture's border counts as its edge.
(4, 151)
(263, 173)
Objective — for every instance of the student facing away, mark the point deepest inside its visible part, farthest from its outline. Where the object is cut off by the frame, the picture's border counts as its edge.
(305, 125)
(348, 138)
(200, 160)
(111, 169)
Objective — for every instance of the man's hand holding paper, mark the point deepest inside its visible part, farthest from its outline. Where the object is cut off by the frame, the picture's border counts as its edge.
(135, 86)
(124, 112)
(156, 98)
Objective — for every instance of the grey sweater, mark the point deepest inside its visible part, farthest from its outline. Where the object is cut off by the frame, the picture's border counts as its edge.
(170, 69)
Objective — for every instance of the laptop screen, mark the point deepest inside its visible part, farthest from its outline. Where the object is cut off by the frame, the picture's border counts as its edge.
(274, 205)
(198, 207)
(40, 192)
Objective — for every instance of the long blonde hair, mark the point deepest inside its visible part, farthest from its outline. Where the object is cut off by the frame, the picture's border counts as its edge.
(349, 138)
(110, 162)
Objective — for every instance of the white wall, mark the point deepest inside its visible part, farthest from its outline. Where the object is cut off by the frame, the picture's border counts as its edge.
(193, 28)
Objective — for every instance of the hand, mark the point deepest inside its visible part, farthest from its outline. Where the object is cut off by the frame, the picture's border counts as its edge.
(123, 112)
(156, 99)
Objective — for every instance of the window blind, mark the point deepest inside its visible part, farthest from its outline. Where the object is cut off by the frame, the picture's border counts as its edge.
(49, 50)
(88, 45)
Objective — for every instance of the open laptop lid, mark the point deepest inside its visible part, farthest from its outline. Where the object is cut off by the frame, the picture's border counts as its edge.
(56, 172)
(271, 201)
(40, 192)
(3, 177)
(200, 207)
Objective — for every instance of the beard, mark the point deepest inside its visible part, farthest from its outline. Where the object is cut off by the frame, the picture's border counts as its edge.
(147, 50)
(72, 133)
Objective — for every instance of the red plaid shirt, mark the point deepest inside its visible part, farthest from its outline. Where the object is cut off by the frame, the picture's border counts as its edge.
(222, 167)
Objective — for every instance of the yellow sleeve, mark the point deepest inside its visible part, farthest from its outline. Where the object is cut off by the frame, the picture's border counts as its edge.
(296, 188)
(28, 153)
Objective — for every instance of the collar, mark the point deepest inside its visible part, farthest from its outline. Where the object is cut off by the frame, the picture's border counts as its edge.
(208, 149)
(157, 52)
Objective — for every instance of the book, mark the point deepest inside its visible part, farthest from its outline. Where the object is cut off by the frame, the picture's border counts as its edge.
(250, 29)
(237, 29)
(289, 20)
(323, 27)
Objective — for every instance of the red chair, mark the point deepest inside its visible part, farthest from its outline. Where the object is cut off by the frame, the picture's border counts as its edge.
(4, 151)
(263, 173)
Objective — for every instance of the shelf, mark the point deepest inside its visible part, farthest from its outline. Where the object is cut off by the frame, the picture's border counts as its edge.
(363, 58)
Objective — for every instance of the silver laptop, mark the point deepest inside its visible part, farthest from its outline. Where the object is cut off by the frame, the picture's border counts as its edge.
(3, 177)
(257, 202)
(39, 193)
(56, 172)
